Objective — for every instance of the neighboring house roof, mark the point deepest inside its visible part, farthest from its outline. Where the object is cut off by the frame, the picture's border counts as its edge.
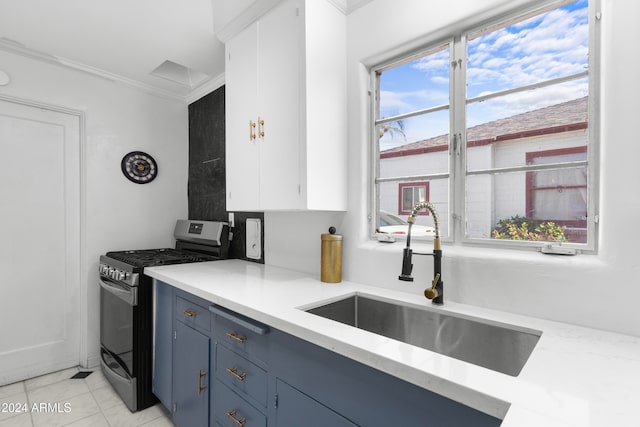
(565, 117)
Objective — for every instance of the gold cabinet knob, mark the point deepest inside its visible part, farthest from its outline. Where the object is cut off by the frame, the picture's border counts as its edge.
(234, 336)
(252, 127)
(189, 313)
(234, 373)
(237, 421)
(260, 127)
(201, 375)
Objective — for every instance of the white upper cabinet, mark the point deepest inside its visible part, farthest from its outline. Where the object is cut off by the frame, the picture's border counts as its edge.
(286, 110)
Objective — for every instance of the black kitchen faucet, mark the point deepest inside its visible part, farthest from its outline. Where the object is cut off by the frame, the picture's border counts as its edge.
(436, 292)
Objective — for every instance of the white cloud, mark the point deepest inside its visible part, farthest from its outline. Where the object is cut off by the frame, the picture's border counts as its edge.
(440, 80)
(430, 64)
(543, 47)
(393, 103)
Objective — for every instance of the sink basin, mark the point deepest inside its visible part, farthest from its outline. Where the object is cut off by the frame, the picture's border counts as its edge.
(500, 347)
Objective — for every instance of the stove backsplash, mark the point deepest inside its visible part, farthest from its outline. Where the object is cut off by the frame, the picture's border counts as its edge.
(207, 187)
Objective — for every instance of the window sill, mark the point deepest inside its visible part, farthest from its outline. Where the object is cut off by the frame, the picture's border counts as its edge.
(471, 252)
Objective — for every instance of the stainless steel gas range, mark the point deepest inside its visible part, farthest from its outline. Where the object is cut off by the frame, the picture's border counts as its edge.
(126, 305)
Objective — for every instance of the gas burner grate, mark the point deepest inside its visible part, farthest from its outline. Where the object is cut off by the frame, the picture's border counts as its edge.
(153, 257)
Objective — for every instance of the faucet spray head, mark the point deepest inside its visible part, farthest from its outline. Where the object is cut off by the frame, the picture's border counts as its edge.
(407, 266)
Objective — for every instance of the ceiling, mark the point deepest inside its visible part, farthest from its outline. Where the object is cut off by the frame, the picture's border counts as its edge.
(119, 39)
(126, 40)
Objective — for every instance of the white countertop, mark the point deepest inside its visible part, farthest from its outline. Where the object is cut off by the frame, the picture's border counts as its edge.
(574, 377)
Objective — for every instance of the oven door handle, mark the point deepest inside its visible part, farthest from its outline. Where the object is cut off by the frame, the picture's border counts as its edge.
(129, 296)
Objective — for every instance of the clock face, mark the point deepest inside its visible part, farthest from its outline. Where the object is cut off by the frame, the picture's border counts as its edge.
(139, 167)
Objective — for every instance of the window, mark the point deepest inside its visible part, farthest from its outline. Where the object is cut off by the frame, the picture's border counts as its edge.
(411, 193)
(496, 128)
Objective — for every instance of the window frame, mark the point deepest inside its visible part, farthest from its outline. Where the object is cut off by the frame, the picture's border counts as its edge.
(457, 174)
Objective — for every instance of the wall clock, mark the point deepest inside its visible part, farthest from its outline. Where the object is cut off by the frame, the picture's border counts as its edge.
(139, 167)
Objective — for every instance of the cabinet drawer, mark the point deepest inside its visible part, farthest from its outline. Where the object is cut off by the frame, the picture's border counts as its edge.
(230, 410)
(297, 409)
(193, 314)
(241, 375)
(241, 334)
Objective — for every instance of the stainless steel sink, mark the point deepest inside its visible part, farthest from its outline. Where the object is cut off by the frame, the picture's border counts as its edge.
(500, 347)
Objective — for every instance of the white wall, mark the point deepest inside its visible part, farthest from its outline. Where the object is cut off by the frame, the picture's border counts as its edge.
(599, 291)
(119, 214)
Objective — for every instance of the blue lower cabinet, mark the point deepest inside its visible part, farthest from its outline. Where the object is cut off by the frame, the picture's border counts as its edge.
(335, 387)
(163, 343)
(190, 377)
(231, 371)
(296, 409)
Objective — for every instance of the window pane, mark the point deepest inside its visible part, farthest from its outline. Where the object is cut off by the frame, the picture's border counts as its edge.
(415, 85)
(407, 199)
(391, 205)
(498, 205)
(429, 129)
(543, 47)
(416, 153)
(558, 195)
(504, 142)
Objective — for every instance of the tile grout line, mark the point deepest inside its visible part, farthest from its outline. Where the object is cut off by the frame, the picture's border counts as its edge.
(26, 393)
(100, 407)
(97, 404)
(35, 389)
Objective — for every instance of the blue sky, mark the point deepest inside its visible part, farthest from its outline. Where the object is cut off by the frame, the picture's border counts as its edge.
(546, 46)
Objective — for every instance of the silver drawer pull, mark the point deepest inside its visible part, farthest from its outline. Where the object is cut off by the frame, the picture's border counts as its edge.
(237, 421)
(234, 373)
(236, 337)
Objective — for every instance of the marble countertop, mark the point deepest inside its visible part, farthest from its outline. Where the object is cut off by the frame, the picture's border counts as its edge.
(575, 376)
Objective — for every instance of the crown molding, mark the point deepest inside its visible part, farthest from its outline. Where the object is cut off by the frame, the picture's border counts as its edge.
(78, 66)
(205, 88)
(242, 21)
(341, 5)
(355, 4)
(260, 7)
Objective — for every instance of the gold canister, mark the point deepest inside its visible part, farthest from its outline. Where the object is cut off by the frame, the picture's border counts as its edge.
(331, 257)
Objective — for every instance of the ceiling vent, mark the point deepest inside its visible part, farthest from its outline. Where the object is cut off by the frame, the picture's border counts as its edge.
(177, 73)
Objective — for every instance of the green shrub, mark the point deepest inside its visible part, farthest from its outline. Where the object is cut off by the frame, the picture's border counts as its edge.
(519, 228)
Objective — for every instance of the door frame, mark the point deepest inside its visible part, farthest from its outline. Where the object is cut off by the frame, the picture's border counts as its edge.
(83, 351)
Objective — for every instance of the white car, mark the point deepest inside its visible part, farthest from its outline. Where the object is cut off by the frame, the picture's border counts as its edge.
(392, 224)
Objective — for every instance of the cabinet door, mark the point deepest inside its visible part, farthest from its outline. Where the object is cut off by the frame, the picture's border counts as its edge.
(280, 46)
(242, 151)
(190, 377)
(297, 409)
(163, 341)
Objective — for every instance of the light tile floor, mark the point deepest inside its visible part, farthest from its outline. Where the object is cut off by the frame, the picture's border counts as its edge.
(57, 400)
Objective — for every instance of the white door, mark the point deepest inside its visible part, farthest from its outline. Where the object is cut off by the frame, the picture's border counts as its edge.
(39, 241)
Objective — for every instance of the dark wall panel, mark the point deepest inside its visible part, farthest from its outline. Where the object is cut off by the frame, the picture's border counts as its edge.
(206, 190)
